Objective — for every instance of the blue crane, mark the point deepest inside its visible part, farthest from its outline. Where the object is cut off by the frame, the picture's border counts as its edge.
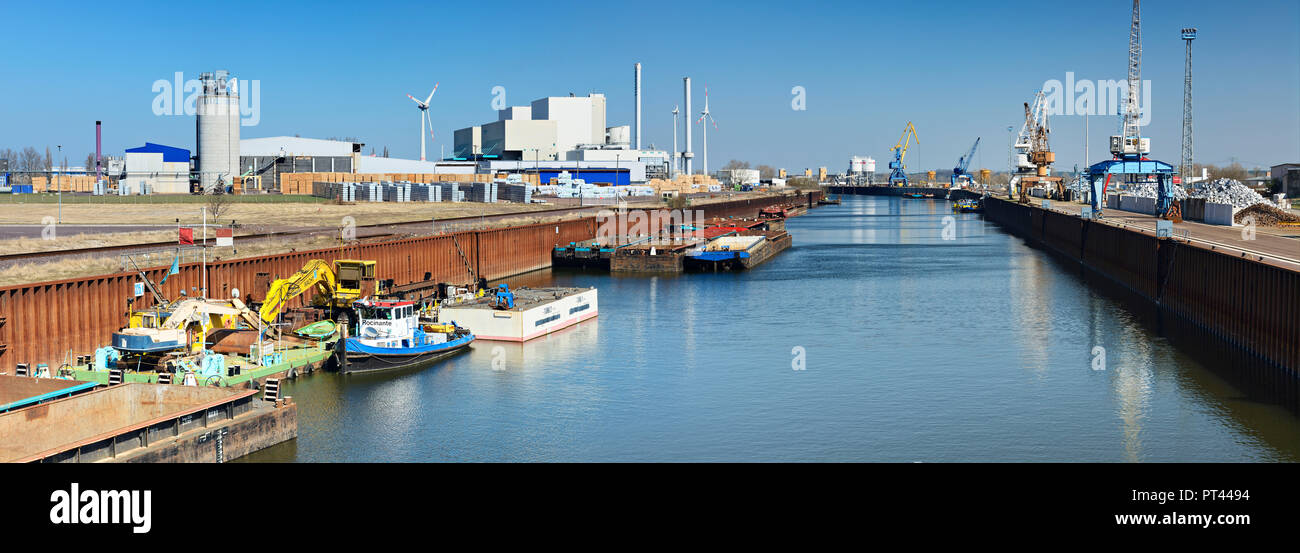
(961, 173)
(898, 171)
(1130, 164)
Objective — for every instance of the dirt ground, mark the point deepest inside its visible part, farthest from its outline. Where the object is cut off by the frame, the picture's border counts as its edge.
(41, 272)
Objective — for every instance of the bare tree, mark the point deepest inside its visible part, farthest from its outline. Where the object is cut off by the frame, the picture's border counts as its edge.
(802, 183)
(8, 160)
(218, 201)
(30, 161)
(766, 172)
(735, 164)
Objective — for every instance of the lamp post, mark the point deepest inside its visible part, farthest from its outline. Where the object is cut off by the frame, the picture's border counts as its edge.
(60, 185)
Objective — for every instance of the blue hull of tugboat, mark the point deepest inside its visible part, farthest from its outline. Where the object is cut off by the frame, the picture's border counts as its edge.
(363, 358)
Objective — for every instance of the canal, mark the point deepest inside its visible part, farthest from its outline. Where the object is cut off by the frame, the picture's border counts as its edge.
(893, 330)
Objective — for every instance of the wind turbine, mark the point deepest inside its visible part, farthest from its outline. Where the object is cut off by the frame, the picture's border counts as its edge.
(676, 154)
(424, 117)
(705, 115)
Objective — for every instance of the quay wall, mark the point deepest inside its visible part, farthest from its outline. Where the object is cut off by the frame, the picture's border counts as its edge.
(1246, 302)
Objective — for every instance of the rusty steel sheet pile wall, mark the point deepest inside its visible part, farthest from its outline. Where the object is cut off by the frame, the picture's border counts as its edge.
(49, 321)
(1249, 303)
(1127, 257)
(1064, 233)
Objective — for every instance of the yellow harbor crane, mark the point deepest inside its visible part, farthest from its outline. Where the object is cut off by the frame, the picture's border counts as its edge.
(898, 172)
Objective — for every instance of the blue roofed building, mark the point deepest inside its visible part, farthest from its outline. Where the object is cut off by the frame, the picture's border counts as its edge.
(156, 169)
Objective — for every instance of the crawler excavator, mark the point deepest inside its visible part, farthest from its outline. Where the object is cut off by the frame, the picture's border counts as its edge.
(336, 288)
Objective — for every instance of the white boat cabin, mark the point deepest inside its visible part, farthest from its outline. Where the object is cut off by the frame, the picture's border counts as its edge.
(387, 324)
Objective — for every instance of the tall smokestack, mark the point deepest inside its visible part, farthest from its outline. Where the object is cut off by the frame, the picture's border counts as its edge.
(636, 92)
(98, 144)
(686, 90)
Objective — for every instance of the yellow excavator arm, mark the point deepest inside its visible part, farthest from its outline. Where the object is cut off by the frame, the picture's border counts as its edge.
(315, 274)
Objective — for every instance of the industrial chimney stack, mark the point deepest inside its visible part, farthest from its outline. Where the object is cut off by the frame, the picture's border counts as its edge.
(99, 174)
(687, 155)
(636, 92)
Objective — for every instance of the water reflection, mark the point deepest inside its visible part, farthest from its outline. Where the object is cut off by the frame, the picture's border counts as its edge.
(917, 349)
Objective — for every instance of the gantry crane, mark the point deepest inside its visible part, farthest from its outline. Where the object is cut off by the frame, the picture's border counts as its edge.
(898, 172)
(961, 173)
(1130, 148)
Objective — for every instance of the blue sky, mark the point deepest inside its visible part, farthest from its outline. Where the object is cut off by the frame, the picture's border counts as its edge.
(958, 70)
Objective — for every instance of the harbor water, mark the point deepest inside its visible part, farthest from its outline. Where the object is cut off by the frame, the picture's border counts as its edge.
(893, 330)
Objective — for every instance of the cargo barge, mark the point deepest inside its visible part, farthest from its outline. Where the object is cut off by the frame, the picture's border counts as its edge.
(528, 313)
(737, 251)
(19, 391)
(147, 423)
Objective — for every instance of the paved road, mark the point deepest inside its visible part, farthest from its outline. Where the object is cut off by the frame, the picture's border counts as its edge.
(34, 231)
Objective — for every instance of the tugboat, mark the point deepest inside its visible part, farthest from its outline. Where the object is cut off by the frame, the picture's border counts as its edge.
(967, 206)
(391, 336)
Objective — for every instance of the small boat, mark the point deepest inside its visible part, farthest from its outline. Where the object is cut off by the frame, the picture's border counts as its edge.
(319, 330)
(967, 206)
(390, 336)
(913, 195)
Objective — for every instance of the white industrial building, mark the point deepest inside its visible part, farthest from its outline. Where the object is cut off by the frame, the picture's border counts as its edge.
(157, 169)
(569, 131)
(519, 139)
(732, 177)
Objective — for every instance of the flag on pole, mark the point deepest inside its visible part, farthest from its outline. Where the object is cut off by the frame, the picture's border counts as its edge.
(187, 236)
(176, 268)
(225, 237)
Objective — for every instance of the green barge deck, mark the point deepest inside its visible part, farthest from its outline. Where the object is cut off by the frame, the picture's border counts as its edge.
(293, 362)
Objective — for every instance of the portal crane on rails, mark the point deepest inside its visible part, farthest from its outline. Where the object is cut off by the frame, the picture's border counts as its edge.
(961, 173)
(1129, 148)
(898, 172)
(1037, 150)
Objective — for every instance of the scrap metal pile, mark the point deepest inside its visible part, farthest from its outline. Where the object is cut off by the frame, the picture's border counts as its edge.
(1148, 190)
(1227, 191)
(1218, 191)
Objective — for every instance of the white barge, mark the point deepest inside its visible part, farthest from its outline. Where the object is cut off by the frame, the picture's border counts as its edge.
(535, 312)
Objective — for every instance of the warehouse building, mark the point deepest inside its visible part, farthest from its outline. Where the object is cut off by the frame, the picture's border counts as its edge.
(157, 169)
(267, 158)
(1289, 175)
(271, 157)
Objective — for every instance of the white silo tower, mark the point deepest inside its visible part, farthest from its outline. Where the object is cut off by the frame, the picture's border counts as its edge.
(217, 129)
